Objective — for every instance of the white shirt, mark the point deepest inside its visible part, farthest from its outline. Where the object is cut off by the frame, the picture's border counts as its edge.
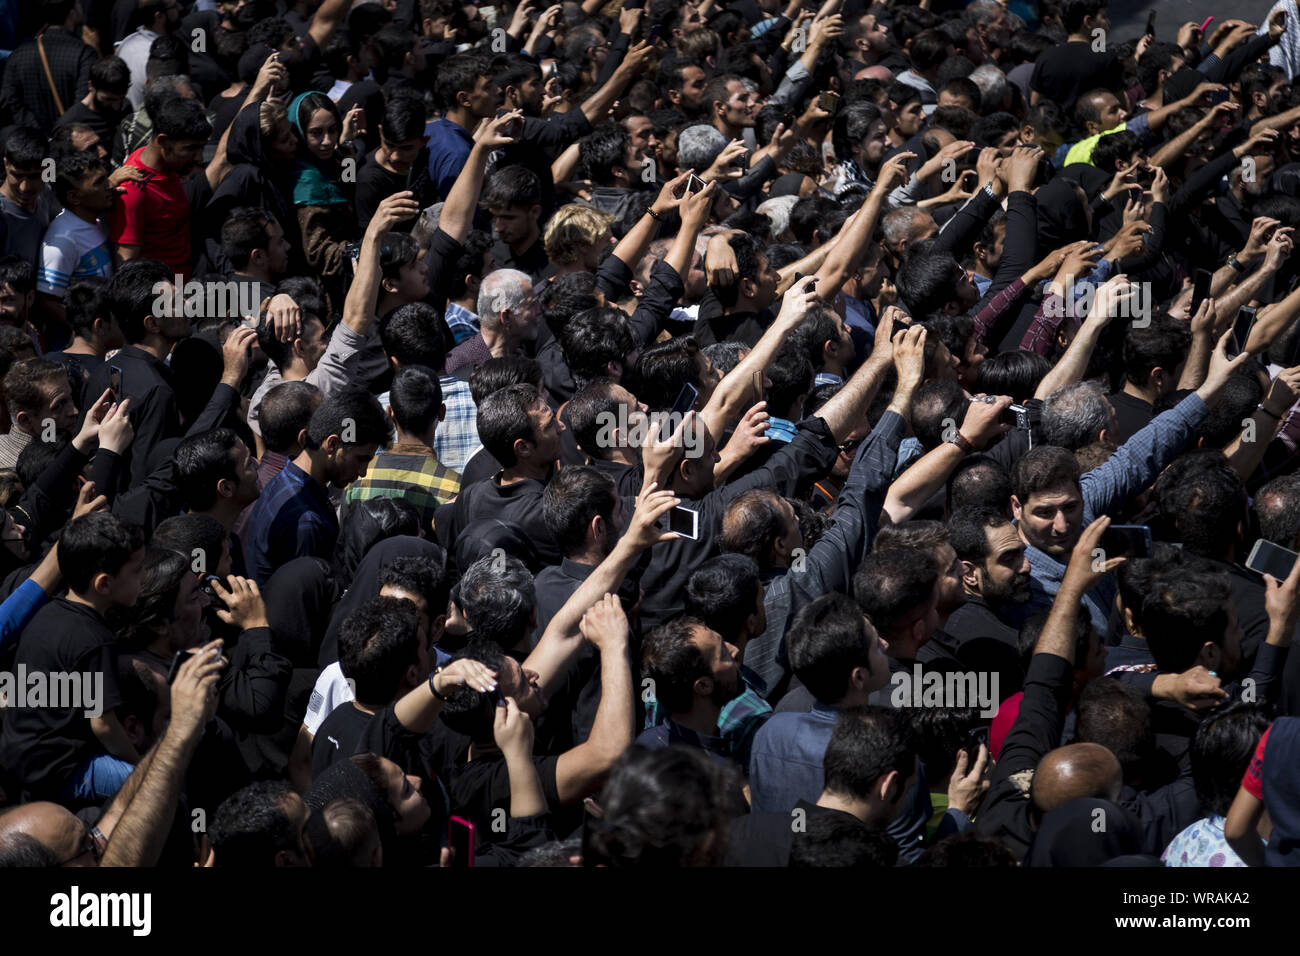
(332, 689)
(72, 250)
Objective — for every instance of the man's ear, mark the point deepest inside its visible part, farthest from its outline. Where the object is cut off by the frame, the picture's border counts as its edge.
(703, 687)
(886, 787)
(462, 99)
(1130, 622)
(970, 575)
(225, 488)
(332, 444)
(442, 412)
(152, 325)
(388, 285)
(101, 582)
(1016, 507)
(523, 448)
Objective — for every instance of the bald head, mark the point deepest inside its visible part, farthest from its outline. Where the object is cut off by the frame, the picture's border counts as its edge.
(877, 72)
(54, 827)
(1077, 770)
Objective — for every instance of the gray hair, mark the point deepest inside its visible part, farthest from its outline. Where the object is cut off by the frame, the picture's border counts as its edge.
(424, 228)
(501, 291)
(898, 223)
(497, 596)
(777, 211)
(993, 86)
(983, 11)
(1277, 505)
(1074, 415)
(698, 146)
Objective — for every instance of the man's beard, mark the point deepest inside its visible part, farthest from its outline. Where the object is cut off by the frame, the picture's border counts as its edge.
(1010, 594)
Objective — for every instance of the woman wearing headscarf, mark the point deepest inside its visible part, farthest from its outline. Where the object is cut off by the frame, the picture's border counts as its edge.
(261, 142)
(317, 187)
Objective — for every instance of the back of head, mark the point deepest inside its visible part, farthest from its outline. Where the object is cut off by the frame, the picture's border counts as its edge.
(378, 642)
(416, 399)
(503, 419)
(285, 413)
(574, 498)
(1202, 502)
(840, 840)
(723, 592)
(867, 744)
(662, 808)
(827, 640)
(893, 588)
(1116, 716)
(1277, 506)
(95, 544)
(1221, 751)
(253, 826)
(1075, 415)
(497, 596)
(132, 293)
(1185, 606)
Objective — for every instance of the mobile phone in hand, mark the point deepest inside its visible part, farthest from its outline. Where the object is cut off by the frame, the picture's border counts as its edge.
(1200, 289)
(460, 837)
(1269, 558)
(1241, 328)
(685, 522)
(829, 103)
(1127, 541)
(115, 382)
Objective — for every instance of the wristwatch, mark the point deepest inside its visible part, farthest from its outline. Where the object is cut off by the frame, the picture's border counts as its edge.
(1236, 263)
(962, 442)
(433, 690)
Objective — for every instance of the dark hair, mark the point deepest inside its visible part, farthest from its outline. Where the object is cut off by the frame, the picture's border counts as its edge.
(826, 641)
(890, 586)
(182, 119)
(71, 169)
(936, 404)
(469, 261)
(26, 147)
(968, 850)
(1073, 12)
(1162, 344)
(516, 186)
(841, 840)
(500, 373)
(1202, 501)
(589, 412)
(1277, 506)
(164, 571)
(791, 376)
(202, 461)
(377, 643)
(601, 150)
(968, 531)
(422, 574)
(852, 124)
(663, 369)
(1185, 607)
(416, 398)
(397, 250)
(111, 75)
(24, 382)
(503, 418)
(594, 338)
(672, 661)
(285, 411)
(244, 231)
(1221, 751)
(1113, 147)
(96, 544)
(1116, 716)
(469, 711)
(497, 597)
(866, 744)
(929, 49)
(403, 114)
(194, 537)
(753, 522)
(927, 280)
(573, 497)
(252, 825)
(989, 130)
(411, 334)
(724, 591)
(1045, 468)
(663, 808)
(132, 292)
(1017, 373)
(354, 404)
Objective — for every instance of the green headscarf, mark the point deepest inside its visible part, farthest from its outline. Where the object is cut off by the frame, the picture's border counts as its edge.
(311, 186)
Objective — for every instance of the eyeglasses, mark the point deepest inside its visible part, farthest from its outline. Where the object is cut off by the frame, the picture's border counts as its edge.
(850, 446)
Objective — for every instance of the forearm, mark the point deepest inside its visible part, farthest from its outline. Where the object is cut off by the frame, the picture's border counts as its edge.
(138, 837)
(1272, 320)
(561, 640)
(848, 406)
(526, 797)
(1198, 362)
(1247, 450)
(457, 217)
(598, 104)
(611, 730)
(1177, 147)
(918, 483)
(1242, 293)
(632, 247)
(732, 395)
(363, 295)
(847, 255)
(563, 168)
(418, 710)
(1073, 363)
(1057, 637)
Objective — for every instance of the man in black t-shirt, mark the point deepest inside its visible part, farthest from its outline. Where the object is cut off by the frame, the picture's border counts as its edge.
(399, 163)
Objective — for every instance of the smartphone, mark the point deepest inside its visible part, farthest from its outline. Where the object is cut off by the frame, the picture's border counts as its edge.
(1242, 326)
(758, 385)
(1269, 558)
(1151, 24)
(207, 588)
(115, 381)
(685, 522)
(829, 102)
(656, 32)
(974, 738)
(685, 402)
(460, 837)
(789, 119)
(1200, 289)
(179, 658)
(1127, 541)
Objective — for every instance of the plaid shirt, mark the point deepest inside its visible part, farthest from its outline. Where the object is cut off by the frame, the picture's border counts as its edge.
(462, 322)
(739, 720)
(456, 440)
(26, 94)
(407, 470)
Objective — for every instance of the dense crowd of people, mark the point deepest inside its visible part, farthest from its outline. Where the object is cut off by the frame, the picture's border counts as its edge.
(648, 434)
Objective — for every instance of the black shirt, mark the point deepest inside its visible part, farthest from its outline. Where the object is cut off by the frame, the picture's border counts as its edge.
(44, 745)
(1132, 414)
(765, 839)
(532, 261)
(337, 736)
(482, 786)
(104, 124)
(518, 504)
(1063, 73)
(155, 414)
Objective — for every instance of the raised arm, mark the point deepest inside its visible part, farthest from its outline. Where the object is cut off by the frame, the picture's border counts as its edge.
(457, 217)
(363, 295)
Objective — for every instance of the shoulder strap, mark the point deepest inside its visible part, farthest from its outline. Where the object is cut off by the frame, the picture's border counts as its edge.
(49, 77)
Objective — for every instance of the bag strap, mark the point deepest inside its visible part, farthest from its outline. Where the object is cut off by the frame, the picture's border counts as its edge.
(49, 77)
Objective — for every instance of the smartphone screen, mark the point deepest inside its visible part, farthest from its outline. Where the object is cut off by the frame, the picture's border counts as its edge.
(1127, 541)
(1241, 328)
(1269, 558)
(684, 521)
(758, 385)
(829, 102)
(685, 402)
(1151, 24)
(179, 658)
(460, 837)
(1200, 289)
(115, 381)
